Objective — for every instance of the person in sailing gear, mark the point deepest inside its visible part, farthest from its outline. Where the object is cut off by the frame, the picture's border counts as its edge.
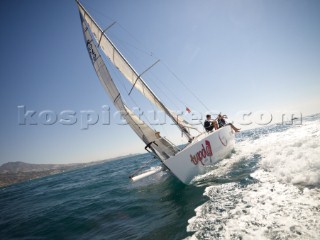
(222, 122)
(210, 124)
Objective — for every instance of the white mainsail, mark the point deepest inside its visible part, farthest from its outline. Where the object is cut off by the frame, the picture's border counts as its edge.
(128, 71)
(161, 146)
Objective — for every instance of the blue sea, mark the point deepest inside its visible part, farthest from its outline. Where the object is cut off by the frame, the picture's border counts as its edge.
(268, 189)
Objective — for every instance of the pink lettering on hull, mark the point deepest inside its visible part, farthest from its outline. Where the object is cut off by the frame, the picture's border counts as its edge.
(202, 154)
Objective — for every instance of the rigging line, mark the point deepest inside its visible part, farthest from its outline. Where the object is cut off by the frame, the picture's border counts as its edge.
(138, 41)
(134, 102)
(98, 12)
(153, 107)
(137, 56)
(119, 76)
(126, 90)
(154, 82)
(131, 53)
(124, 61)
(117, 38)
(154, 79)
(119, 96)
(166, 66)
(145, 119)
(163, 92)
(120, 79)
(169, 89)
(149, 53)
(157, 80)
(185, 86)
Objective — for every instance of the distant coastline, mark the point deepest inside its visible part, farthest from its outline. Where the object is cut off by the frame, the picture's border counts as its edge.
(17, 172)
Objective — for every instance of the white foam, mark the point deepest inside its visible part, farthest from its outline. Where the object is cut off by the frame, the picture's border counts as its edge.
(264, 210)
(293, 156)
(278, 205)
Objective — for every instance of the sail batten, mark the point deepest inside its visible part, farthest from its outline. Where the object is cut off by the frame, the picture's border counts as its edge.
(139, 77)
(128, 71)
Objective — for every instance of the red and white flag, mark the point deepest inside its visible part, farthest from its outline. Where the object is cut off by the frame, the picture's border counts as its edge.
(188, 110)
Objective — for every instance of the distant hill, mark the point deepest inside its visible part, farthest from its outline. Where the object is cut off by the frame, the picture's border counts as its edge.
(14, 172)
(15, 167)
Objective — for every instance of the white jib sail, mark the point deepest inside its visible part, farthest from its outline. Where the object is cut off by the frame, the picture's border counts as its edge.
(128, 71)
(161, 146)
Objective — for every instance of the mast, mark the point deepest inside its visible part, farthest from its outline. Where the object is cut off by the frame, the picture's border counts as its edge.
(128, 71)
(160, 146)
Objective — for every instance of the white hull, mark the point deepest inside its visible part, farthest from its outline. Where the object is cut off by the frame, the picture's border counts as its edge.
(204, 151)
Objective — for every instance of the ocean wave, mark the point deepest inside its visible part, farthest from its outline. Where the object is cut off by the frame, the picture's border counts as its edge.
(263, 210)
(281, 199)
(292, 156)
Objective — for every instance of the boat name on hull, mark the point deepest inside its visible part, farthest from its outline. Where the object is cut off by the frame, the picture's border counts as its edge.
(202, 154)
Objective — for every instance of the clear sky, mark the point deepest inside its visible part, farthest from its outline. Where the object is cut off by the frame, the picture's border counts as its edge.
(234, 55)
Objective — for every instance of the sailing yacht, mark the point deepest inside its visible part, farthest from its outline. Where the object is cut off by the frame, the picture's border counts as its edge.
(201, 150)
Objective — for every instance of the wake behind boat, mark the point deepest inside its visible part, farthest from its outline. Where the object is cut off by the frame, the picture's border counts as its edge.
(185, 163)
